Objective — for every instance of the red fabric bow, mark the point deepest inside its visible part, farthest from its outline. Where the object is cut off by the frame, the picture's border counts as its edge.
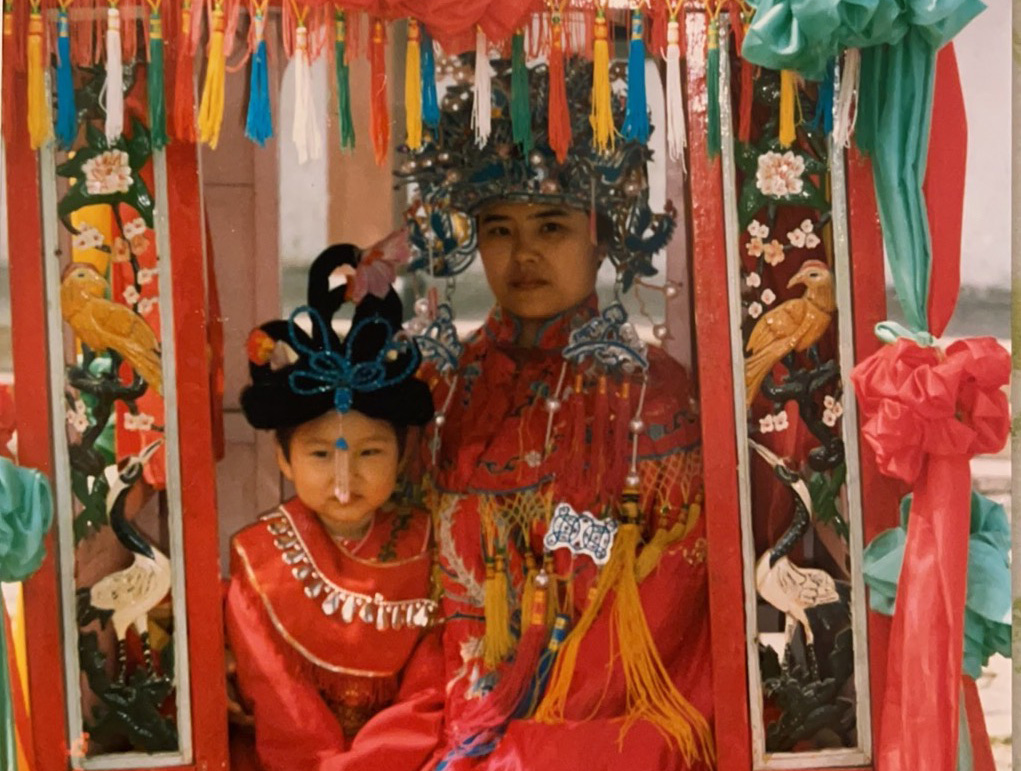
(925, 413)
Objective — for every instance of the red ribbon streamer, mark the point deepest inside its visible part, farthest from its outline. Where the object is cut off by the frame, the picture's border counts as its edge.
(925, 413)
(944, 189)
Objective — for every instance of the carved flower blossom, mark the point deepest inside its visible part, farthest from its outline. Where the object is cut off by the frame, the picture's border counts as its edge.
(758, 230)
(131, 295)
(135, 227)
(88, 238)
(755, 310)
(773, 252)
(139, 422)
(109, 172)
(753, 280)
(768, 297)
(779, 175)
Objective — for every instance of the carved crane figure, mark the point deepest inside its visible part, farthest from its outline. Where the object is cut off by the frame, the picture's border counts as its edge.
(132, 592)
(787, 587)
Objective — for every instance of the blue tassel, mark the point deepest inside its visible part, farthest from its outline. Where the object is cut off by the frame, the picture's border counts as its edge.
(430, 104)
(67, 116)
(824, 105)
(259, 124)
(542, 672)
(636, 119)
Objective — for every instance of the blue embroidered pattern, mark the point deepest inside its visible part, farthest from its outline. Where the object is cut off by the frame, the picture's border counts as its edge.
(611, 340)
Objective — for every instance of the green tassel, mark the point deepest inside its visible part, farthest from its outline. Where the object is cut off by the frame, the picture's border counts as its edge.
(521, 111)
(347, 129)
(157, 97)
(712, 84)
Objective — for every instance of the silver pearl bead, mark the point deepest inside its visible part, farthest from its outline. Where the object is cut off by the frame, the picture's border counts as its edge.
(541, 579)
(632, 480)
(671, 291)
(440, 419)
(443, 157)
(660, 331)
(636, 426)
(535, 159)
(553, 405)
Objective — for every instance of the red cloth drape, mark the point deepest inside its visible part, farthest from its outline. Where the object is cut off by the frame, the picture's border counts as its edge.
(925, 414)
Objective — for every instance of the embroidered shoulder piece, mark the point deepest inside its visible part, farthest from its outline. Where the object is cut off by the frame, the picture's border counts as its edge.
(374, 609)
(610, 340)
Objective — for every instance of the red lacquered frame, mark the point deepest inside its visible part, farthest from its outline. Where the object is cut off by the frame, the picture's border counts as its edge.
(716, 388)
(198, 468)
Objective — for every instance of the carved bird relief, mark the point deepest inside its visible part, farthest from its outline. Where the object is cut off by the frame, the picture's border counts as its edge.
(792, 327)
(104, 325)
(789, 588)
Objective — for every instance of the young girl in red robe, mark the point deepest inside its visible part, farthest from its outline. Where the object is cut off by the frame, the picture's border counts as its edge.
(329, 609)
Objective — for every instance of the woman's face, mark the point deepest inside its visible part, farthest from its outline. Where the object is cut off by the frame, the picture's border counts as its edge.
(539, 258)
(373, 458)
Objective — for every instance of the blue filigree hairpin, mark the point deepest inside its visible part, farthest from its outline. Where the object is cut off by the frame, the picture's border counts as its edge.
(437, 336)
(328, 370)
(611, 340)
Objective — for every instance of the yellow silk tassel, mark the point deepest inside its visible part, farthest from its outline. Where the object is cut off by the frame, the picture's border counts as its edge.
(40, 125)
(602, 112)
(551, 710)
(788, 92)
(413, 86)
(211, 106)
(651, 694)
(528, 593)
(649, 559)
(497, 643)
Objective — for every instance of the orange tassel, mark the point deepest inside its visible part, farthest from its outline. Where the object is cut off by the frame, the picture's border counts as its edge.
(182, 117)
(9, 59)
(380, 108)
(559, 114)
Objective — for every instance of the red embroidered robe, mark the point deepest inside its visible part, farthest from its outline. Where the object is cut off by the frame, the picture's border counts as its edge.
(490, 467)
(325, 638)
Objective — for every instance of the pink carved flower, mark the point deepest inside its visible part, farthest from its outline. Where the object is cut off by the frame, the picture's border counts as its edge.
(754, 247)
(773, 252)
(107, 173)
(779, 175)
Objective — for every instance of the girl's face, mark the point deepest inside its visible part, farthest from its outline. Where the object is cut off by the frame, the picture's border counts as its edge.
(539, 258)
(373, 457)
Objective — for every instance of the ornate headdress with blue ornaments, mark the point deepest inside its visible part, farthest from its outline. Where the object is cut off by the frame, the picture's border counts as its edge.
(457, 174)
(298, 376)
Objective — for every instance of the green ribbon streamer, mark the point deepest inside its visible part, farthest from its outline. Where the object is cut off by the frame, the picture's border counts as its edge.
(987, 605)
(154, 80)
(899, 40)
(521, 112)
(26, 512)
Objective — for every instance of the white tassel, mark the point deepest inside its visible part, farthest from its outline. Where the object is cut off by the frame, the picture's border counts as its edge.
(846, 108)
(677, 130)
(482, 109)
(305, 131)
(114, 76)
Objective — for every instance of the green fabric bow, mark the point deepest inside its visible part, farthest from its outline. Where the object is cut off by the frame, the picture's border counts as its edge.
(899, 40)
(987, 607)
(26, 512)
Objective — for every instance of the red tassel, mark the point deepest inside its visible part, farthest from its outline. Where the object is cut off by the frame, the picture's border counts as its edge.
(600, 447)
(497, 708)
(573, 455)
(9, 61)
(619, 459)
(380, 108)
(744, 123)
(559, 115)
(182, 114)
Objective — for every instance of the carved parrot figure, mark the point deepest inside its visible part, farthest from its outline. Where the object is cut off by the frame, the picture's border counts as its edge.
(105, 325)
(793, 326)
